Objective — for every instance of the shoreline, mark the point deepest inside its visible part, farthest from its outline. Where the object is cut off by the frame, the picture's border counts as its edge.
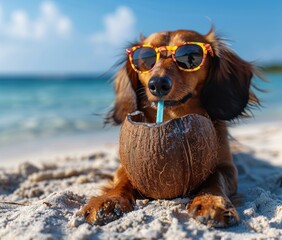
(38, 150)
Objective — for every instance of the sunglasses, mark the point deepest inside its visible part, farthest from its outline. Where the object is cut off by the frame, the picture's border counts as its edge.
(189, 56)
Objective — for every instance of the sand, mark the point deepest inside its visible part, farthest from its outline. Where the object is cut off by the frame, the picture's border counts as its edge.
(41, 200)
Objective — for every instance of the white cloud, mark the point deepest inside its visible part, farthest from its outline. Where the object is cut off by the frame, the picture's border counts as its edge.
(36, 43)
(19, 25)
(46, 42)
(119, 28)
(50, 22)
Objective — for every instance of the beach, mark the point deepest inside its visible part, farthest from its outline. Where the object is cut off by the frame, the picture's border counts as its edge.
(55, 154)
(41, 199)
(69, 73)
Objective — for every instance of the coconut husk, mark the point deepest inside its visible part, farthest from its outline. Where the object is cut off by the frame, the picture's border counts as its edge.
(170, 159)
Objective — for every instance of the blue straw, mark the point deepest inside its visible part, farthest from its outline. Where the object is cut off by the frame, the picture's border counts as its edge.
(160, 111)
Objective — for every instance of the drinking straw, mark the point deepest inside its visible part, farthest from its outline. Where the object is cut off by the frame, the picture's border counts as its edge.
(160, 111)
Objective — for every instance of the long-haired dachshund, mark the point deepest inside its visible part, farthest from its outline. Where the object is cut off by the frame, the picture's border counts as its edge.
(192, 73)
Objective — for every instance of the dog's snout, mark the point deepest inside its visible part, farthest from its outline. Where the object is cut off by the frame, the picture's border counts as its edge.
(160, 86)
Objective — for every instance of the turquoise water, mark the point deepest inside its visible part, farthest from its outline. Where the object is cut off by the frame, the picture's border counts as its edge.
(36, 107)
(271, 100)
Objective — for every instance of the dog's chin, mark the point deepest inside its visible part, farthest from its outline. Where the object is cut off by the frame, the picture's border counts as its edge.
(175, 103)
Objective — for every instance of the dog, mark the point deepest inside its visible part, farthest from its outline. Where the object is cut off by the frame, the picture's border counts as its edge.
(192, 73)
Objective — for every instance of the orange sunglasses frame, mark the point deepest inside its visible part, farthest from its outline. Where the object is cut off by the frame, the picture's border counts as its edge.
(205, 46)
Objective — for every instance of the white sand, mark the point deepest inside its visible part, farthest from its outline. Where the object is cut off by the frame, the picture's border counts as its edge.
(40, 200)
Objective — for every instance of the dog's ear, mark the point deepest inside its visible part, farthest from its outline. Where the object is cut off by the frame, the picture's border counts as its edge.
(226, 93)
(126, 82)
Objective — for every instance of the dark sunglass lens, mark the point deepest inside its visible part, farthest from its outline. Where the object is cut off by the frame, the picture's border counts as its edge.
(144, 58)
(189, 56)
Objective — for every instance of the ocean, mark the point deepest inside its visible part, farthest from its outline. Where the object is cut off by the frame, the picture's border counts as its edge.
(34, 107)
(37, 107)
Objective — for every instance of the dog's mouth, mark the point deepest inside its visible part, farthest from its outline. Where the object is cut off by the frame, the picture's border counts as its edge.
(173, 103)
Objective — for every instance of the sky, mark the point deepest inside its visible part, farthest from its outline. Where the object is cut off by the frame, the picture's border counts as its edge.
(89, 36)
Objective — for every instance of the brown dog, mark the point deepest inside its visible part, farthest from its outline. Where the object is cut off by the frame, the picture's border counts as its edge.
(192, 73)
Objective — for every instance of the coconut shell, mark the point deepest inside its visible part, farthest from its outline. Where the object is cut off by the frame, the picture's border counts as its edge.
(170, 159)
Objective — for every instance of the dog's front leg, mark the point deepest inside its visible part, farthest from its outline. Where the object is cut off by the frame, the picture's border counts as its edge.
(117, 199)
(212, 205)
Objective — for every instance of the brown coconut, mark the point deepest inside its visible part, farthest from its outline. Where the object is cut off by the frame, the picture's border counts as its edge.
(170, 159)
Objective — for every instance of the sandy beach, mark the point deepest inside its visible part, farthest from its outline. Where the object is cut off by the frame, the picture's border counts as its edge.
(40, 197)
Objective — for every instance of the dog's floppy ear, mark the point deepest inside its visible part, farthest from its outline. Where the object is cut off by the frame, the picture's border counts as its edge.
(126, 82)
(226, 93)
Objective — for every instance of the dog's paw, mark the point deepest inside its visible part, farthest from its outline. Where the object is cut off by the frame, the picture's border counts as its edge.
(102, 210)
(214, 211)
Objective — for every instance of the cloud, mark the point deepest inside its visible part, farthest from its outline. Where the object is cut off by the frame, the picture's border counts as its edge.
(50, 22)
(47, 43)
(119, 28)
(37, 43)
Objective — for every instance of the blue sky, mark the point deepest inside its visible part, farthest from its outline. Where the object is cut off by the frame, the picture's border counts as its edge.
(86, 36)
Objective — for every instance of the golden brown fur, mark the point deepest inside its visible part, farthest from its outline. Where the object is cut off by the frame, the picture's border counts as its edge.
(220, 89)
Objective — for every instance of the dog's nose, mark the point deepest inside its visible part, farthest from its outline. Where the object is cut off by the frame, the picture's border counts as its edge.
(160, 86)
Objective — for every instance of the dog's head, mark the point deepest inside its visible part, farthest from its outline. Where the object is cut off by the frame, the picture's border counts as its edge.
(205, 77)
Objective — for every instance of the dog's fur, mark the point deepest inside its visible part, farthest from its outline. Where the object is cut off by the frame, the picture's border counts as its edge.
(220, 89)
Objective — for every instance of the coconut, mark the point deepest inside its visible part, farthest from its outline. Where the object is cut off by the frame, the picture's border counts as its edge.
(169, 159)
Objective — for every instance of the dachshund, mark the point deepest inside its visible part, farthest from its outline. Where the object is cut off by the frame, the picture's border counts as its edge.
(192, 73)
